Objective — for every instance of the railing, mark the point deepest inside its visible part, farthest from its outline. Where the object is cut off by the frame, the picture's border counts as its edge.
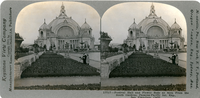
(22, 63)
(111, 63)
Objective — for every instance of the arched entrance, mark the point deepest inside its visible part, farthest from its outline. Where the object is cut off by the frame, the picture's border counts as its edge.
(154, 33)
(65, 31)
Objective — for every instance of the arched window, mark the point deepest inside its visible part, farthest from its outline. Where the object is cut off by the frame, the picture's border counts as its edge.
(179, 32)
(131, 33)
(89, 32)
(41, 33)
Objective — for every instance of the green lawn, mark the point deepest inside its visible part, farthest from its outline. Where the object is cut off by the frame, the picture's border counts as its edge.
(142, 65)
(51, 65)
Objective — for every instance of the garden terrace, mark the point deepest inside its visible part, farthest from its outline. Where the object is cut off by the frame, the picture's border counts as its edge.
(142, 65)
(51, 65)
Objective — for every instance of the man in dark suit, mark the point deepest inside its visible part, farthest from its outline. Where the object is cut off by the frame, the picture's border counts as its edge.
(84, 58)
(173, 58)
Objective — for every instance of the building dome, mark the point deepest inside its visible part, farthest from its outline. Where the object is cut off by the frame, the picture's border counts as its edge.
(63, 18)
(44, 26)
(134, 26)
(175, 26)
(64, 22)
(148, 20)
(85, 26)
(153, 20)
(64, 29)
(59, 20)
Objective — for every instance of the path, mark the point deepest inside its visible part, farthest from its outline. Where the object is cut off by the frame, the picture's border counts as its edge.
(94, 58)
(182, 62)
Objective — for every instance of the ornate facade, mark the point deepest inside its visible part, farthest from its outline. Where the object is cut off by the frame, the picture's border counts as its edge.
(154, 29)
(62, 30)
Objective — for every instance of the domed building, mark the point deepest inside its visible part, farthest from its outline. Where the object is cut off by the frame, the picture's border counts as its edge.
(154, 29)
(62, 30)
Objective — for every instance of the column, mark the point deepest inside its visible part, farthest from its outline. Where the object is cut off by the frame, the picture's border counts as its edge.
(59, 44)
(63, 44)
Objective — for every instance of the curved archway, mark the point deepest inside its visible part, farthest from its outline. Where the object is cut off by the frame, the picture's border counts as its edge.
(65, 31)
(155, 31)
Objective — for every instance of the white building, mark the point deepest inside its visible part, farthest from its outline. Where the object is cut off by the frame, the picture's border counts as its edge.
(154, 29)
(64, 29)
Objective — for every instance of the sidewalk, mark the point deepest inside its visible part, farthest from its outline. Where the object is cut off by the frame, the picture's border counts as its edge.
(76, 56)
(182, 63)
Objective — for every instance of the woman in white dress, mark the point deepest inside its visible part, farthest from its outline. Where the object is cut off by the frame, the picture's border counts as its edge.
(177, 59)
(87, 59)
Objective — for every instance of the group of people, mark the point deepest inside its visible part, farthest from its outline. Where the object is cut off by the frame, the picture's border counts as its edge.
(174, 58)
(85, 58)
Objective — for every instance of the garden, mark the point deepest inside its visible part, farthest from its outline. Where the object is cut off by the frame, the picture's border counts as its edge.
(52, 65)
(143, 65)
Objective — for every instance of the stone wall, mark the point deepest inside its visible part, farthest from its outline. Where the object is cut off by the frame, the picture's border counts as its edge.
(22, 63)
(108, 64)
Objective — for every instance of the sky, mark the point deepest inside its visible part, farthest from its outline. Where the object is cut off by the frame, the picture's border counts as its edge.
(115, 21)
(118, 18)
(32, 17)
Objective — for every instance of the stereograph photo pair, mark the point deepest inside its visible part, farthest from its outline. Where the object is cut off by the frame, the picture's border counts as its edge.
(100, 49)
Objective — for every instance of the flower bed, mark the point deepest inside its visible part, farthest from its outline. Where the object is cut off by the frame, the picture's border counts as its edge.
(142, 65)
(51, 65)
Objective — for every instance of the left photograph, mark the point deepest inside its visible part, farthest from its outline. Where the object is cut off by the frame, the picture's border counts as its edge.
(57, 47)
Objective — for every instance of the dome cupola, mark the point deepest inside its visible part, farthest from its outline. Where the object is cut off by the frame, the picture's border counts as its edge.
(64, 21)
(134, 26)
(152, 12)
(85, 26)
(44, 26)
(175, 26)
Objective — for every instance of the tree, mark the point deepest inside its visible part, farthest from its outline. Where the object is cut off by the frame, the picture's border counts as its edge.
(36, 46)
(116, 49)
(124, 45)
(45, 47)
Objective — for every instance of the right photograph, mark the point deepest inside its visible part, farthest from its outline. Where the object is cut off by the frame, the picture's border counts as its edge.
(143, 47)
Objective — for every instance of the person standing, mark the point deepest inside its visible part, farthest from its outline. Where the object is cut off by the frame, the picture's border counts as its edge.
(87, 59)
(173, 58)
(176, 59)
(84, 58)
